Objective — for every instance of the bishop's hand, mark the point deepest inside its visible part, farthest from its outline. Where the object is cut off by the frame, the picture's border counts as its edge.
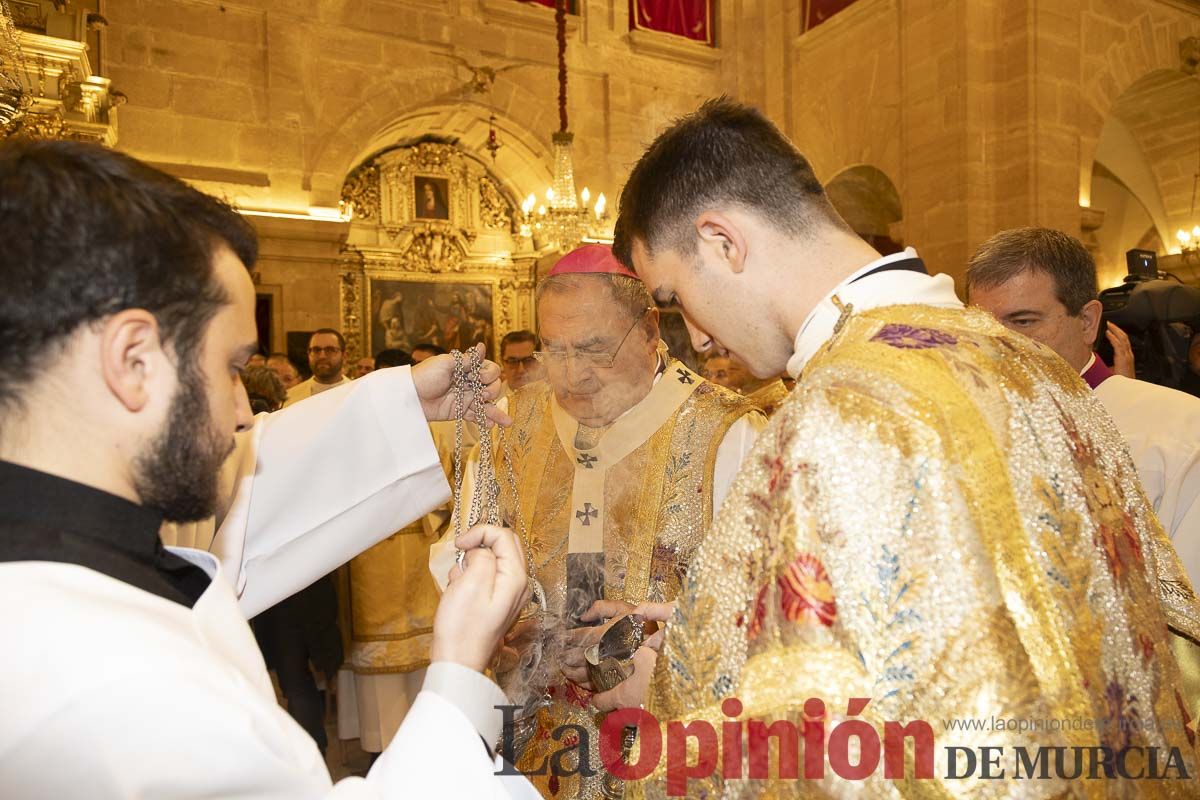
(434, 378)
(483, 598)
(574, 665)
(633, 691)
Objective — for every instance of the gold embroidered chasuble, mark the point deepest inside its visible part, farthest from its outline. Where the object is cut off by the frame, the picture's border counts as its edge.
(770, 397)
(940, 518)
(633, 507)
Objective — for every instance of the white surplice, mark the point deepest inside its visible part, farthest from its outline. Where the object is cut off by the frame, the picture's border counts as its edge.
(110, 691)
(309, 388)
(1162, 427)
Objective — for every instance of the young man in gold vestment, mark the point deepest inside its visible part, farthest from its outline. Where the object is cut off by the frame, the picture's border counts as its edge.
(939, 524)
(619, 459)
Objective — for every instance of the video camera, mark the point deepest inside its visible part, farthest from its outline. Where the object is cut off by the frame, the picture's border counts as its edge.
(1159, 315)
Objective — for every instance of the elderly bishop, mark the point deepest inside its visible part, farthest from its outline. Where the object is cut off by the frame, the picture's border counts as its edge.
(617, 462)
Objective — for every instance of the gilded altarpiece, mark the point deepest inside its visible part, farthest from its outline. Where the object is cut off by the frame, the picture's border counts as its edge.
(433, 253)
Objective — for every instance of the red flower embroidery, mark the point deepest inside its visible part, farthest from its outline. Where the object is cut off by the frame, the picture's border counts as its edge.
(760, 613)
(805, 595)
(576, 695)
(1147, 645)
(1117, 528)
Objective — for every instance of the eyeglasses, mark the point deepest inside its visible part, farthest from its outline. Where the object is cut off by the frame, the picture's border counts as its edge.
(527, 362)
(316, 351)
(557, 359)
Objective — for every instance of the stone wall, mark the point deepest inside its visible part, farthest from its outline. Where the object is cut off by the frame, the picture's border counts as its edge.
(984, 114)
(271, 102)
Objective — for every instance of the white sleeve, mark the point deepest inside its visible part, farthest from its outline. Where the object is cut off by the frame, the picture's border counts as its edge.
(1179, 508)
(733, 448)
(324, 479)
(439, 749)
(181, 737)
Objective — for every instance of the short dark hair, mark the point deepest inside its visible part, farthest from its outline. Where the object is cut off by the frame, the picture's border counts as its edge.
(88, 232)
(517, 337)
(429, 347)
(724, 153)
(1019, 250)
(330, 331)
(392, 357)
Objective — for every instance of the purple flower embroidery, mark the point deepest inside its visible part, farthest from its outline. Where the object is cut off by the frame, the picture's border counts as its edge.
(908, 337)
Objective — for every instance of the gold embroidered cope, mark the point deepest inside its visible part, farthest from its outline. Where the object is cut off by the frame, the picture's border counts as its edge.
(943, 519)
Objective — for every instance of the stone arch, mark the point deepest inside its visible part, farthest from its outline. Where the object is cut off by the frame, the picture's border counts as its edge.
(1148, 146)
(404, 112)
(1118, 56)
(868, 200)
(522, 165)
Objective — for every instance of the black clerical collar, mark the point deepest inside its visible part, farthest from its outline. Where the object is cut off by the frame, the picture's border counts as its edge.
(30, 496)
(48, 518)
(911, 264)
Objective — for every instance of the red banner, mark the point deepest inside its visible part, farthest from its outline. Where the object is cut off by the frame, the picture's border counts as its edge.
(550, 4)
(688, 18)
(817, 11)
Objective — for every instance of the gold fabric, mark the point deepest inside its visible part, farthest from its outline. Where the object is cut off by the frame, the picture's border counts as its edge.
(656, 507)
(769, 398)
(943, 519)
(393, 597)
(392, 602)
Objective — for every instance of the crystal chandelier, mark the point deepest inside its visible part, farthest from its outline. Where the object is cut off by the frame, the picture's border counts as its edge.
(565, 219)
(15, 99)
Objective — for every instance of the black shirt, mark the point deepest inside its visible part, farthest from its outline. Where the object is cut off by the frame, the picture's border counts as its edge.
(46, 518)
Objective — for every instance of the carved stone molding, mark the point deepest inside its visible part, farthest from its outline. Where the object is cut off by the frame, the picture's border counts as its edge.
(495, 211)
(679, 49)
(352, 286)
(68, 101)
(360, 192)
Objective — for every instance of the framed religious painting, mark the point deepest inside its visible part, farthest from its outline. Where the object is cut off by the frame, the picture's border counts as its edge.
(431, 197)
(403, 313)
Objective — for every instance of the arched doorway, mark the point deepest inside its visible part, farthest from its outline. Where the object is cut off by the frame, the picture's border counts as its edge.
(1143, 171)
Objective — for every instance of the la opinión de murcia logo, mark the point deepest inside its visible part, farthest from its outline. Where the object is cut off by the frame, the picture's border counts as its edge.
(744, 748)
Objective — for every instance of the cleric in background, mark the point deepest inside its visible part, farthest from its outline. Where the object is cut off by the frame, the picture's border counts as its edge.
(518, 360)
(1042, 283)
